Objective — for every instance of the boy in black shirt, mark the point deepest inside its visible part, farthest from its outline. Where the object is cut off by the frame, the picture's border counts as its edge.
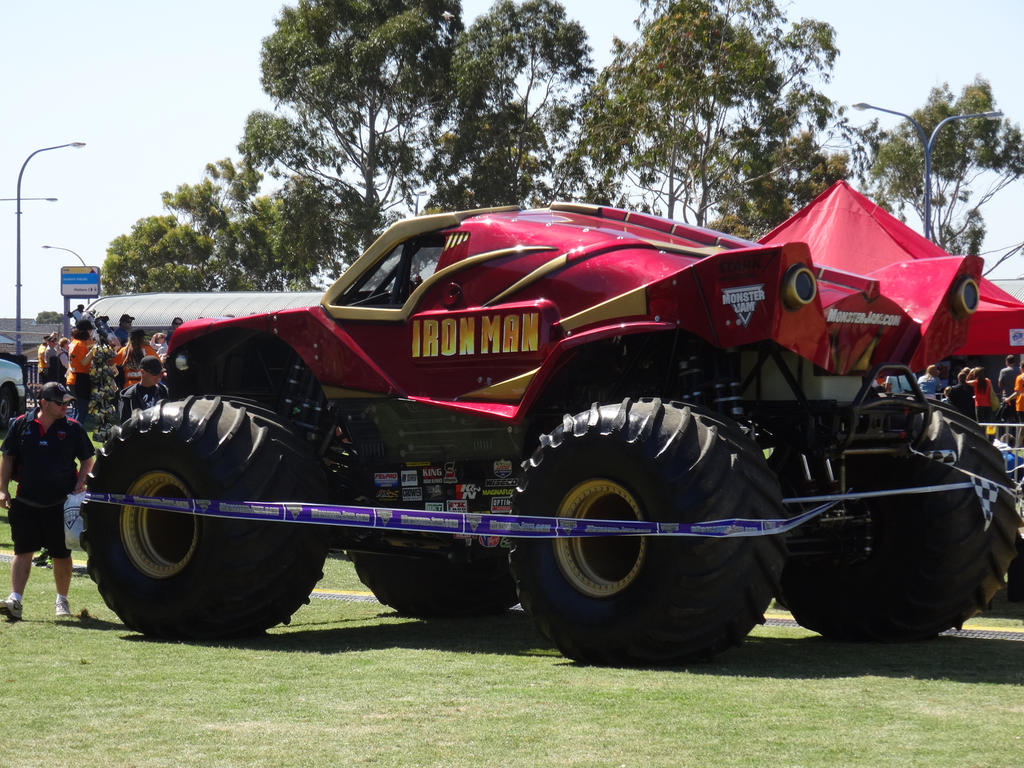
(146, 393)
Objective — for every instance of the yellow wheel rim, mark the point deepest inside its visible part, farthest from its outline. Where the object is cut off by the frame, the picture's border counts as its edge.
(159, 544)
(600, 566)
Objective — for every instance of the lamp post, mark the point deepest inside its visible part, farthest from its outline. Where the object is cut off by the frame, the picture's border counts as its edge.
(928, 143)
(58, 248)
(418, 193)
(17, 278)
(67, 300)
(12, 199)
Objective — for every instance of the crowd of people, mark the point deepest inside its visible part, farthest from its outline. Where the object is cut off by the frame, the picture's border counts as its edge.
(999, 405)
(99, 365)
(971, 392)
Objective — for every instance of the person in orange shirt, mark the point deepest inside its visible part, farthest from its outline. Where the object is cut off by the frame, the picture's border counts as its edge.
(982, 387)
(129, 357)
(80, 354)
(1018, 396)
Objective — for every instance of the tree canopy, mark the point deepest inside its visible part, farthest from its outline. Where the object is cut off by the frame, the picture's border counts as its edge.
(971, 160)
(713, 116)
(355, 85)
(49, 317)
(519, 77)
(219, 235)
(701, 107)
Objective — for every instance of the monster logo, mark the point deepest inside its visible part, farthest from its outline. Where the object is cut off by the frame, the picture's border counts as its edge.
(744, 300)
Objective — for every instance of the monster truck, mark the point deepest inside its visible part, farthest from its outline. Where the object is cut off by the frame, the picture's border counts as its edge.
(578, 362)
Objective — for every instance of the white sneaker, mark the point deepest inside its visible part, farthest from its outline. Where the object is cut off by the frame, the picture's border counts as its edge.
(10, 608)
(62, 609)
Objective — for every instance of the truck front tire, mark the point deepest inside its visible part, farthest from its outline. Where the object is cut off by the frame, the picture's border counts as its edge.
(642, 600)
(173, 574)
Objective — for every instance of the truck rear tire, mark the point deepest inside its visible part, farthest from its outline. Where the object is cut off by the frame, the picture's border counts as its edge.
(932, 565)
(433, 587)
(174, 574)
(642, 600)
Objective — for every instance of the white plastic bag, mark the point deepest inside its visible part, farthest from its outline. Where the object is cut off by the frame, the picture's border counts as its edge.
(73, 523)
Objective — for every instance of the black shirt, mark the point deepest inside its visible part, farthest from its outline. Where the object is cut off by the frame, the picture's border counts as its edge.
(137, 397)
(961, 397)
(44, 465)
(1006, 380)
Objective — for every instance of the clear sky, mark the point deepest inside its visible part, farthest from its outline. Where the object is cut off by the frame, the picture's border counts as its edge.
(159, 90)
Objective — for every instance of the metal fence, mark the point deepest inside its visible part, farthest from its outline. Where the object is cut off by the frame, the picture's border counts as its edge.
(32, 384)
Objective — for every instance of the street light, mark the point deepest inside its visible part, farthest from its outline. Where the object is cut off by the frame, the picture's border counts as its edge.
(58, 248)
(17, 279)
(928, 143)
(418, 193)
(12, 199)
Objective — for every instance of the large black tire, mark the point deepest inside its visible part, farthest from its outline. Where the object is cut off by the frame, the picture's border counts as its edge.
(177, 575)
(639, 600)
(932, 564)
(434, 587)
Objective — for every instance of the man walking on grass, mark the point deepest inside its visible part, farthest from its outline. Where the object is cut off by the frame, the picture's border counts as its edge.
(40, 451)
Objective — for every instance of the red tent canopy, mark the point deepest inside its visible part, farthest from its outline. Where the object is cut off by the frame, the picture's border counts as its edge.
(997, 328)
(846, 231)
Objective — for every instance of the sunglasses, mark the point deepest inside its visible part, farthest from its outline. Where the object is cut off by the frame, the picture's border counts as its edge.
(62, 403)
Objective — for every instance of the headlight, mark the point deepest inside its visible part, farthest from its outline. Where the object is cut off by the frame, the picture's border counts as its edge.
(181, 361)
(964, 299)
(799, 287)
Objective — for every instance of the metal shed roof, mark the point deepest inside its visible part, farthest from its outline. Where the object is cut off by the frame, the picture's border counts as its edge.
(156, 310)
(1013, 287)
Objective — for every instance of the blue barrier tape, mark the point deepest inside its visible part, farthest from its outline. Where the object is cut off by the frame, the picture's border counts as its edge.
(490, 524)
(468, 523)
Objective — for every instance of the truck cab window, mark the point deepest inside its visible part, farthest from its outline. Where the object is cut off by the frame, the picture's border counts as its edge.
(393, 278)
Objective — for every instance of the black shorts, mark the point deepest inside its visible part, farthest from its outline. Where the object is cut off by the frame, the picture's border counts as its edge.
(33, 528)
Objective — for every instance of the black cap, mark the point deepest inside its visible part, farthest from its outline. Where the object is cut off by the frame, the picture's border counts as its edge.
(177, 321)
(84, 325)
(152, 365)
(126, 318)
(54, 390)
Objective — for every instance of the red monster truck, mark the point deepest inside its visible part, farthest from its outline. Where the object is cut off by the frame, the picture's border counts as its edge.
(577, 362)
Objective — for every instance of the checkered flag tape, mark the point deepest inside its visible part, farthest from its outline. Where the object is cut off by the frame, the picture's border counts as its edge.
(988, 493)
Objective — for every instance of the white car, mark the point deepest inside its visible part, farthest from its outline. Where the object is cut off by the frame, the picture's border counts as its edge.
(12, 392)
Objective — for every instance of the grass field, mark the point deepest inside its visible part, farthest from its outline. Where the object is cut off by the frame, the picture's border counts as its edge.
(351, 683)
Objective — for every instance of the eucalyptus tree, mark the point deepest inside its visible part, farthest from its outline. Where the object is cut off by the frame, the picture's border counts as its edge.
(520, 75)
(693, 115)
(218, 235)
(971, 161)
(355, 87)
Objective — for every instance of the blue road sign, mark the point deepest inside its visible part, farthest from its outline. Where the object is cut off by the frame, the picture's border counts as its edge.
(81, 282)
